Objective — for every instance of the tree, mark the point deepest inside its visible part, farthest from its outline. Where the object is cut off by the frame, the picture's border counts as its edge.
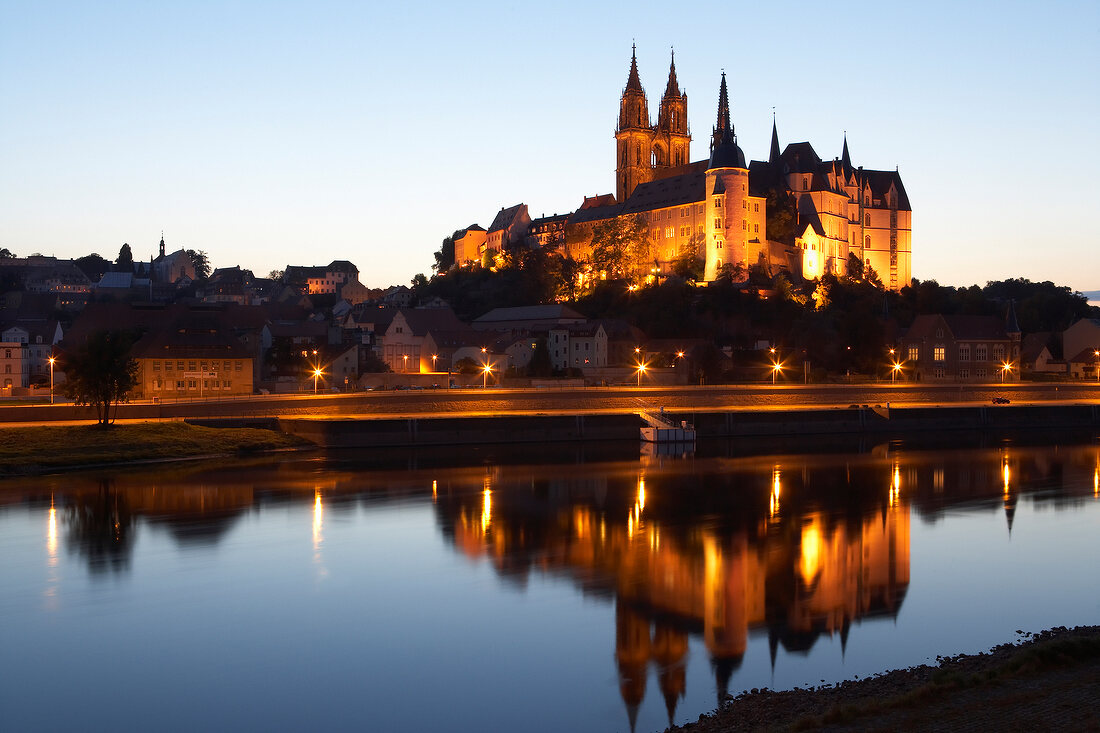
(100, 373)
(689, 264)
(445, 256)
(540, 364)
(93, 266)
(276, 275)
(6, 254)
(620, 246)
(419, 281)
(200, 262)
(125, 261)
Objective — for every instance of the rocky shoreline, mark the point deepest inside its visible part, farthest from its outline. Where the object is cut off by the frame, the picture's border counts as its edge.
(1046, 681)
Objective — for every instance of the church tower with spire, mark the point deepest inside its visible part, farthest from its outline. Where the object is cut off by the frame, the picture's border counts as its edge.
(672, 141)
(643, 151)
(633, 136)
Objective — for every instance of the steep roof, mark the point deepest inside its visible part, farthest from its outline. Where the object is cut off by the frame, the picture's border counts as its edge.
(423, 320)
(879, 182)
(801, 158)
(687, 188)
(505, 217)
(529, 313)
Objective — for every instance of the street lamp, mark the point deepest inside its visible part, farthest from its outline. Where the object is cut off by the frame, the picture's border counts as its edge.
(1096, 353)
(404, 362)
(316, 376)
(894, 372)
(1005, 367)
(776, 364)
(52, 359)
(775, 370)
(434, 357)
(641, 371)
(485, 375)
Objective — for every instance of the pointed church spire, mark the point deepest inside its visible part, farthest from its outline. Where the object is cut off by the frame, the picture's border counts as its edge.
(723, 125)
(1012, 326)
(773, 153)
(162, 243)
(633, 83)
(845, 159)
(673, 88)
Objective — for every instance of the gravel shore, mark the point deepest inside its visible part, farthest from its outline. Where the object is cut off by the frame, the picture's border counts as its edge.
(1047, 681)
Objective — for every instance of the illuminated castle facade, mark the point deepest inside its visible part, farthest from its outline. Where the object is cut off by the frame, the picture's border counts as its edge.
(825, 210)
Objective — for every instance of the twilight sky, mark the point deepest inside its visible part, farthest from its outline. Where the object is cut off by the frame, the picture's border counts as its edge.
(274, 133)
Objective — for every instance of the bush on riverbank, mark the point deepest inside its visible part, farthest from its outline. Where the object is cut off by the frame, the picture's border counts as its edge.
(43, 448)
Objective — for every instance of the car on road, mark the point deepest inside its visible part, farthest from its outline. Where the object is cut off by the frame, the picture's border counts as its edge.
(1001, 400)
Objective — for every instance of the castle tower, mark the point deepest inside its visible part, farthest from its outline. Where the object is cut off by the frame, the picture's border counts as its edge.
(633, 136)
(672, 141)
(727, 192)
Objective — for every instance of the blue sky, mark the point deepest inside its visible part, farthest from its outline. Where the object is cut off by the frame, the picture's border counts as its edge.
(274, 133)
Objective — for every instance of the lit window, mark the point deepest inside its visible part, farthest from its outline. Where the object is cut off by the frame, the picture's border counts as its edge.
(938, 353)
(914, 353)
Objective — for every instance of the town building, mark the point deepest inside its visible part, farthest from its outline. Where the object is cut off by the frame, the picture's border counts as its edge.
(961, 348)
(469, 244)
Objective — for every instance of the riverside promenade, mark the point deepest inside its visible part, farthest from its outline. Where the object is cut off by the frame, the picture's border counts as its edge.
(465, 416)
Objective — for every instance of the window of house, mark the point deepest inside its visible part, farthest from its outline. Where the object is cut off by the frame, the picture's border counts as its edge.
(805, 183)
(981, 353)
(866, 220)
(938, 353)
(179, 365)
(237, 365)
(998, 352)
(156, 366)
(964, 352)
(755, 228)
(914, 353)
(980, 372)
(964, 374)
(191, 365)
(744, 225)
(717, 223)
(939, 372)
(717, 202)
(756, 208)
(867, 241)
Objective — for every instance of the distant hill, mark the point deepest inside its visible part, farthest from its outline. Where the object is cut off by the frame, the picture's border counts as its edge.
(1093, 296)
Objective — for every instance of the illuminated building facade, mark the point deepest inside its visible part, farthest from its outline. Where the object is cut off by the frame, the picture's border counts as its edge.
(721, 206)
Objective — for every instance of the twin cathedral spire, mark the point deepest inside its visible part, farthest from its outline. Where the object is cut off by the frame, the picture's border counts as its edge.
(643, 149)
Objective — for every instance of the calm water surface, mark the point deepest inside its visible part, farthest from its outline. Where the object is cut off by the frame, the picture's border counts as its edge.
(544, 591)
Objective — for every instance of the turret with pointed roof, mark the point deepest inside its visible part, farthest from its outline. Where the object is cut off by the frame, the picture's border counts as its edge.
(724, 152)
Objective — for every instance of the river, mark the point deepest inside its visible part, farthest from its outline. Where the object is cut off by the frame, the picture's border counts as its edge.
(548, 588)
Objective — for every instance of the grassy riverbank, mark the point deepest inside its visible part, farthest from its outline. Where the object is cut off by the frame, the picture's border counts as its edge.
(1048, 681)
(48, 448)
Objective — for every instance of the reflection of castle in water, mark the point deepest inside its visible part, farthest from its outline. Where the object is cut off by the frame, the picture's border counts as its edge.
(797, 574)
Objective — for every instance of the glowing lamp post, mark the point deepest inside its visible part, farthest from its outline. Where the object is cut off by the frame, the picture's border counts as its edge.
(52, 359)
(776, 364)
(485, 375)
(404, 362)
(316, 375)
(1096, 353)
(434, 357)
(641, 371)
(1006, 367)
(894, 371)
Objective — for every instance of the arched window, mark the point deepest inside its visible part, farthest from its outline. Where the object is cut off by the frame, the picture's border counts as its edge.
(866, 220)
(867, 241)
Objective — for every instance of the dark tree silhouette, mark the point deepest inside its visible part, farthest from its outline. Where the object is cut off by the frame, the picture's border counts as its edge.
(100, 373)
(125, 262)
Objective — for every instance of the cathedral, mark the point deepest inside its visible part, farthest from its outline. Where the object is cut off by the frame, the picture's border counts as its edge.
(821, 212)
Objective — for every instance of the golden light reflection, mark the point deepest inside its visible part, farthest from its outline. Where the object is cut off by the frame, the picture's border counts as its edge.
(812, 547)
(435, 490)
(486, 509)
(895, 487)
(1096, 482)
(318, 520)
(641, 494)
(773, 503)
(51, 535)
(1007, 474)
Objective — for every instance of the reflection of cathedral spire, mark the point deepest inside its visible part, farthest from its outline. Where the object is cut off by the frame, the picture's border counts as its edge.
(724, 667)
(632, 654)
(669, 650)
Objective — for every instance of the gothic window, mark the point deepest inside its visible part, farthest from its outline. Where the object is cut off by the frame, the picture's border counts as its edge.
(805, 183)
(914, 353)
(981, 352)
(866, 220)
(638, 154)
(755, 228)
(964, 352)
(756, 208)
(938, 353)
(867, 241)
(717, 202)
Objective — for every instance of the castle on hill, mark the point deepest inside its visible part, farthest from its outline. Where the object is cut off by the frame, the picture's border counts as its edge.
(793, 211)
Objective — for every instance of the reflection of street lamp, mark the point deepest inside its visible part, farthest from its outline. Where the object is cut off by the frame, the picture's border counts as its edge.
(1096, 353)
(404, 362)
(52, 359)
